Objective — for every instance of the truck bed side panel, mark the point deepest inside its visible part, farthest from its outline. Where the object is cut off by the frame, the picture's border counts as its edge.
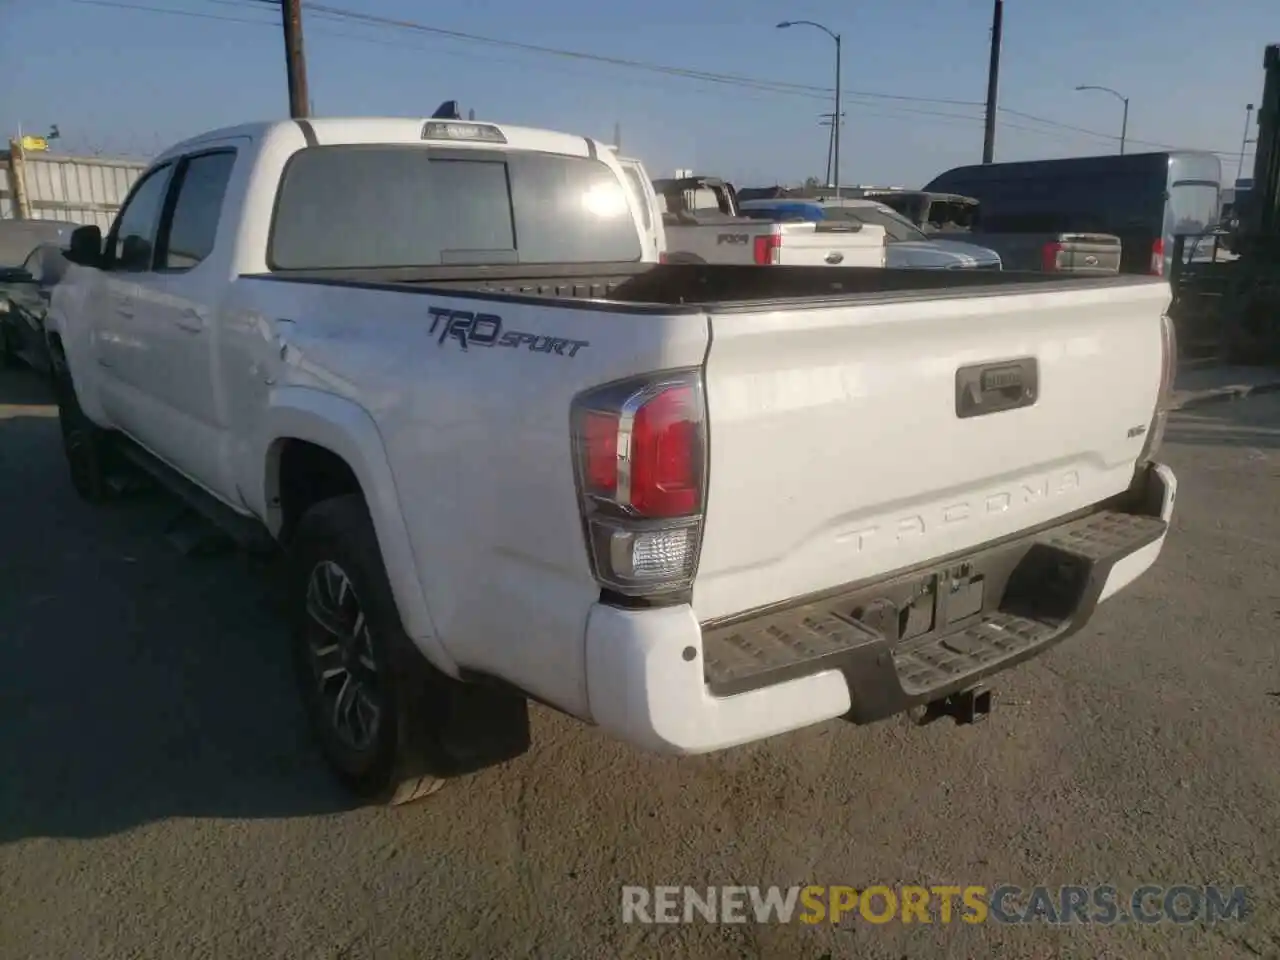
(479, 445)
(837, 454)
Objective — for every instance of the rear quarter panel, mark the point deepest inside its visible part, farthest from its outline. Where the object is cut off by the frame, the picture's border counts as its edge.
(478, 439)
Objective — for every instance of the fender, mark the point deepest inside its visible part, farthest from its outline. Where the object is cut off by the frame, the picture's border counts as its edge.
(69, 300)
(347, 429)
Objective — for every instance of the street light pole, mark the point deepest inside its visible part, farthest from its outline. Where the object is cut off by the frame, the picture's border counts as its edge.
(1124, 123)
(835, 130)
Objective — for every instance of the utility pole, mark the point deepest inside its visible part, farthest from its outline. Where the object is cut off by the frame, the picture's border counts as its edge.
(295, 60)
(831, 145)
(1244, 141)
(835, 126)
(993, 83)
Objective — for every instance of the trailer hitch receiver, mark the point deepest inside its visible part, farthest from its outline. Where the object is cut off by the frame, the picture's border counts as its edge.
(964, 707)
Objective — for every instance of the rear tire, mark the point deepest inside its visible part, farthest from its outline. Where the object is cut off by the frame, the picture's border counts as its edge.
(365, 687)
(86, 445)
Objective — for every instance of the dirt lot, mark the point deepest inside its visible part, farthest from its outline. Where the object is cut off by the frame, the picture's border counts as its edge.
(159, 796)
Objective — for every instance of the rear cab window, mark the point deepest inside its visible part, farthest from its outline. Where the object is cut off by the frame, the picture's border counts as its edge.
(380, 205)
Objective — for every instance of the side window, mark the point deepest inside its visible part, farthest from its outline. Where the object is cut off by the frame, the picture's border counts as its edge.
(132, 241)
(194, 224)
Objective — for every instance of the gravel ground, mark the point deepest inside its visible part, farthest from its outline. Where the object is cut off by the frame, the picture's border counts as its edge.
(159, 797)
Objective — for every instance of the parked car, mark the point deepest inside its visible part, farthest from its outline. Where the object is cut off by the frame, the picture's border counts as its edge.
(704, 224)
(19, 237)
(908, 245)
(31, 263)
(509, 457)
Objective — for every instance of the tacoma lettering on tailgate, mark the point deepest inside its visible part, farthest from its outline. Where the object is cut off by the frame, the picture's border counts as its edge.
(471, 329)
(1028, 492)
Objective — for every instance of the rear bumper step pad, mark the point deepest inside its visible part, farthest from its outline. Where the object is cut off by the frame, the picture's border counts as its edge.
(1032, 593)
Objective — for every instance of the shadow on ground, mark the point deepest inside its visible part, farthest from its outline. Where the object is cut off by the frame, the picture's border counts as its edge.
(138, 684)
(1251, 422)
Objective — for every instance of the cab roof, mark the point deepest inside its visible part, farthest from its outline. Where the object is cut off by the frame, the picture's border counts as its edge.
(353, 130)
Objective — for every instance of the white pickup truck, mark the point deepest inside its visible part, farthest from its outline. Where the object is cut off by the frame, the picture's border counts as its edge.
(508, 459)
(701, 223)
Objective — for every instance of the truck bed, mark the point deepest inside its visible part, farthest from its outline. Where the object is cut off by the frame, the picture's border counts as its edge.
(663, 286)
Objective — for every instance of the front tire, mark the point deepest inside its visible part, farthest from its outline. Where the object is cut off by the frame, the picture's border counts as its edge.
(86, 445)
(358, 672)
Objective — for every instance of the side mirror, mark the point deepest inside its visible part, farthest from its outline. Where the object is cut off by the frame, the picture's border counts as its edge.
(86, 246)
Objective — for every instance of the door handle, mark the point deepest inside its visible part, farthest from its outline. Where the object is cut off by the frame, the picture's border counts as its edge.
(190, 320)
(124, 306)
(985, 388)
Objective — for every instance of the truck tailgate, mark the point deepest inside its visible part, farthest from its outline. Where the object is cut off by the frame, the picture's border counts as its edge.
(850, 441)
(831, 244)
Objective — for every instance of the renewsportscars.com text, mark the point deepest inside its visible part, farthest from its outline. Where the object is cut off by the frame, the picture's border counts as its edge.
(1005, 903)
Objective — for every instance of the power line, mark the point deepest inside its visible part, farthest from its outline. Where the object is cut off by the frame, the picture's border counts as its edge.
(766, 86)
(896, 102)
(120, 5)
(337, 13)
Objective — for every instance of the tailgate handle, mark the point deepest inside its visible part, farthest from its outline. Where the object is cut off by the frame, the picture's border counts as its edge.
(984, 388)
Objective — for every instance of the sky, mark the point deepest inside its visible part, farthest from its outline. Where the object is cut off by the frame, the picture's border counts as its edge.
(117, 79)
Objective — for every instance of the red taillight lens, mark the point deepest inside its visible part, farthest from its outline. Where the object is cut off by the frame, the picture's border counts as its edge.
(665, 452)
(600, 448)
(1051, 257)
(766, 249)
(662, 258)
(1157, 258)
(641, 449)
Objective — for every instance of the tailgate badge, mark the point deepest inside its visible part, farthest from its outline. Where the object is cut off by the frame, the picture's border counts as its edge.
(834, 257)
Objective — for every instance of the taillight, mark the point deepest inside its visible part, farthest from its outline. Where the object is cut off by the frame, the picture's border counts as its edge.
(641, 452)
(1157, 258)
(1168, 371)
(1051, 257)
(662, 257)
(767, 249)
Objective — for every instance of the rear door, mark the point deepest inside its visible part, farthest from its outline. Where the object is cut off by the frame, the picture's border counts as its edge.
(181, 295)
(838, 448)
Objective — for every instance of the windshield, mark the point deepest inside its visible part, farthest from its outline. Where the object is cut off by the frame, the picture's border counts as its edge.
(376, 206)
(897, 227)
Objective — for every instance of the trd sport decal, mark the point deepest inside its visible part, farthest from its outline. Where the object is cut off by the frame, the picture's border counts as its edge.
(485, 330)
